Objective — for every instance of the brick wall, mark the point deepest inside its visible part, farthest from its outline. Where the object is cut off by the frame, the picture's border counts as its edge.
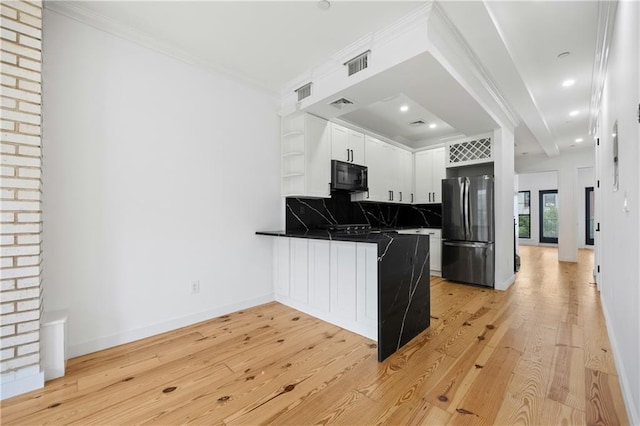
(21, 187)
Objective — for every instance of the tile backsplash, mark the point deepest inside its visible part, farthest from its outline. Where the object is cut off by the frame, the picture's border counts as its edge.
(309, 213)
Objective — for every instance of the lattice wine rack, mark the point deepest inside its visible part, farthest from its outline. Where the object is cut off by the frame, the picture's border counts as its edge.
(470, 152)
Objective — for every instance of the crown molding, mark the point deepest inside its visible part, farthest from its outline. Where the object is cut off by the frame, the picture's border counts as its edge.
(606, 19)
(78, 13)
(481, 72)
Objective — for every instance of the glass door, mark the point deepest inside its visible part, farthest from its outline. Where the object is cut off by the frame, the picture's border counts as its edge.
(589, 219)
(549, 216)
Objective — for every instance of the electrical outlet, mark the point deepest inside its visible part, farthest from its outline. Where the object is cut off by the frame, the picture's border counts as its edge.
(195, 287)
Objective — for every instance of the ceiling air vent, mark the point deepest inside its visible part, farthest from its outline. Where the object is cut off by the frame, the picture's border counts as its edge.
(341, 103)
(358, 63)
(304, 91)
(417, 123)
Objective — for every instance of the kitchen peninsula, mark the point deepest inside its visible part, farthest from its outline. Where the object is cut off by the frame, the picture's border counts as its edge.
(374, 283)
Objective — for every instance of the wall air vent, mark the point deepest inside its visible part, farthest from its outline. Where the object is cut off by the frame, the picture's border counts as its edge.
(341, 103)
(417, 123)
(358, 63)
(304, 91)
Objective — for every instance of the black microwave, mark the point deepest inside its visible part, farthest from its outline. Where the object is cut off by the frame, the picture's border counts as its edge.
(348, 176)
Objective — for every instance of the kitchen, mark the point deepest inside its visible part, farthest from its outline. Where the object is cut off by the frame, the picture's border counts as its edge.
(365, 193)
(109, 202)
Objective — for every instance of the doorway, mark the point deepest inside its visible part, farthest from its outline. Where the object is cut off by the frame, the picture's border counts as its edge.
(589, 210)
(549, 216)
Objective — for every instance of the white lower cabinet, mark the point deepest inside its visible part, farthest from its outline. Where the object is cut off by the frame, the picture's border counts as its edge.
(319, 275)
(367, 286)
(435, 246)
(343, 279)
(336, 281)
(435, 250)
(299, 268)
(281, 263)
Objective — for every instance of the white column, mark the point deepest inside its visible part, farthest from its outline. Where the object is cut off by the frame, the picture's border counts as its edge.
(504, 183)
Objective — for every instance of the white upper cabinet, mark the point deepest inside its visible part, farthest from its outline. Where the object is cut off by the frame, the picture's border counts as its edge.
(306, 156)
(429, 172)
(376, 170)
(347, 145)
(405, 168)
(390, 173)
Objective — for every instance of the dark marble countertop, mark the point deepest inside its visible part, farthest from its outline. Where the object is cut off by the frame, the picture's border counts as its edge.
(362, 237)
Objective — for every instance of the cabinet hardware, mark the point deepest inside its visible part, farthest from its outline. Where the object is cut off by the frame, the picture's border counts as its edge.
(367, 194)
(429, 197)
(412, 197)
(400, 196)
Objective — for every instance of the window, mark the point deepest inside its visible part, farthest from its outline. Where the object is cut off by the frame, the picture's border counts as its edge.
(524, 214)
(549, 216)
(589, 231)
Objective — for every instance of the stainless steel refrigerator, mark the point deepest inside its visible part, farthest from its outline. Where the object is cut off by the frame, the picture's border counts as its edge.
(468, 253)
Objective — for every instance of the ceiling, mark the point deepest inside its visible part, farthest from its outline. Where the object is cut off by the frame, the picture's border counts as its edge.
(435, 97)
(268, 44)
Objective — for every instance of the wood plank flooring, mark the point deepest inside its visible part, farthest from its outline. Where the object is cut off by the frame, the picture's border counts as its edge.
(537, 354)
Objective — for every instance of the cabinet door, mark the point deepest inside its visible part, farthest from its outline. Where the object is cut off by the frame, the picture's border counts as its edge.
(356, 144)
(367, 287)
(439, 172)
(299, 270)
(406, 176)
(318, 152)
(390, 172)
(375, 169)
(281, 267)
(339, 143)
(422, 182)
(435, 252)
(319, 275)
(343, 280)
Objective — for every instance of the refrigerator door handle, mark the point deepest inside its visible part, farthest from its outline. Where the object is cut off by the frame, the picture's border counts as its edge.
(484, 246)
(463, 212)
(467, 222)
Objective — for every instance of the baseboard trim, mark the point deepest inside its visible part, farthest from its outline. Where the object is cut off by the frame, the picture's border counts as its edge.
(629, 402)
(105, 342)
(18, 386)
(506, 284)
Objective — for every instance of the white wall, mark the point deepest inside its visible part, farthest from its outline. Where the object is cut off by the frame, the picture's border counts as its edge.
(156, 174)
(619, 247)
(567, 165)
(536, 182)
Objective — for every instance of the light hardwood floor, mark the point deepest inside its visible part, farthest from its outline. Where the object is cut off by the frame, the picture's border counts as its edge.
(536, 354)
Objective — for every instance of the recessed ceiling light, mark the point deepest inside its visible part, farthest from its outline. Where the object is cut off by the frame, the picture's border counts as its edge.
(564, 55)
(579, 140)
(324, 5)
(404, 108)
(568, 83)
(574, 113)
(433, 125)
